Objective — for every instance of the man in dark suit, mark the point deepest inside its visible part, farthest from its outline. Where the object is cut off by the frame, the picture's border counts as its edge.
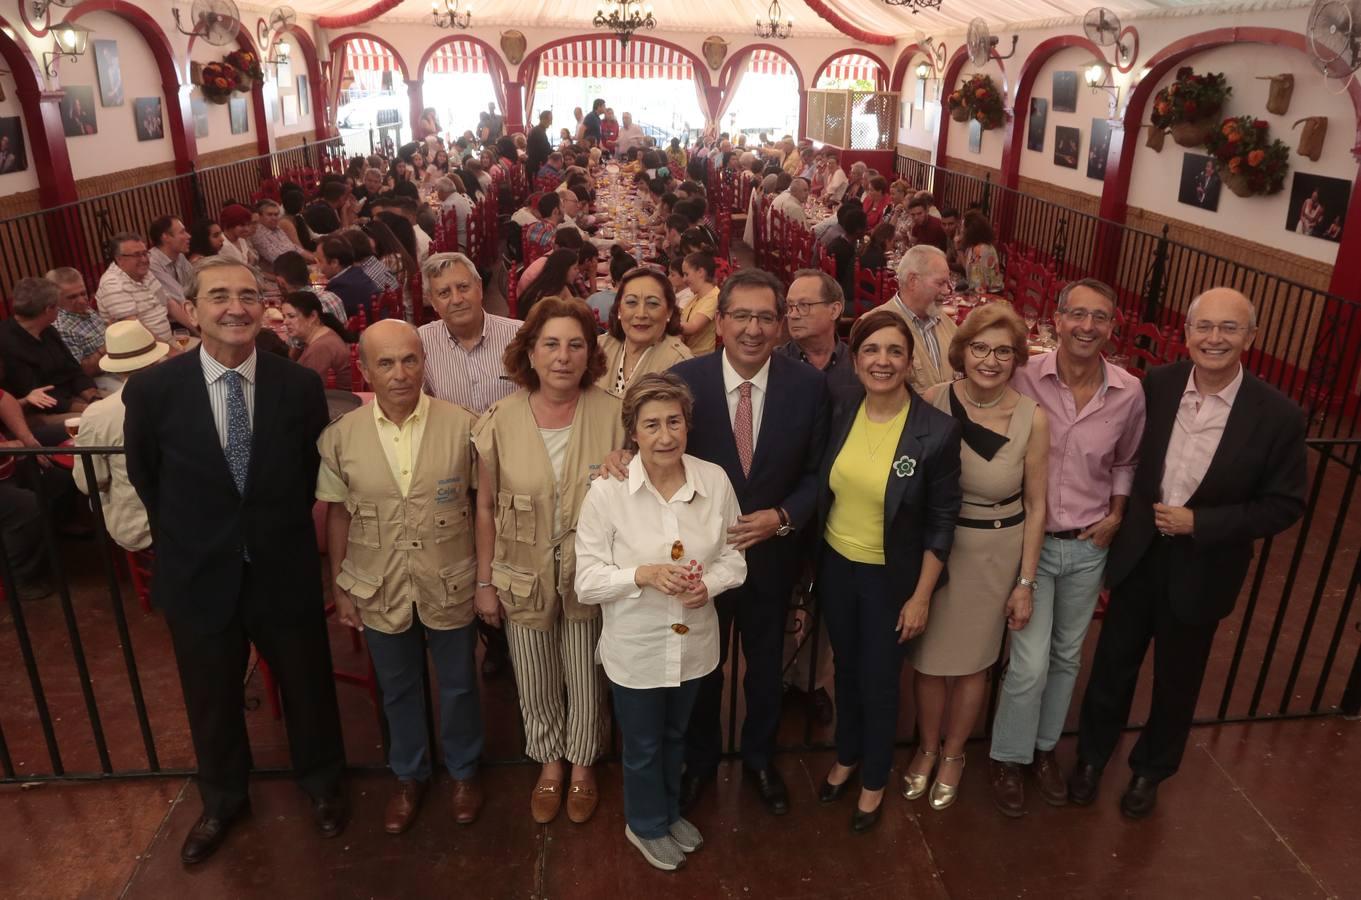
(336, 258)
(222, 449)
(1222, 464)
(764, 418)
(538, 145)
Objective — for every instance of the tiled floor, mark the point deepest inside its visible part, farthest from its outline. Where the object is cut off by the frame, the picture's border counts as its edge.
(1265, 810)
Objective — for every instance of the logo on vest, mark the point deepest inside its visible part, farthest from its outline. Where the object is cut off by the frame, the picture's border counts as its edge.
(447, 489)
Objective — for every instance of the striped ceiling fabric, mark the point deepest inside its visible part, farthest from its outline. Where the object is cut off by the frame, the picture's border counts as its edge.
(368, 56)
(607, 58)
(768, 62)
(458, 56)
(853, 67)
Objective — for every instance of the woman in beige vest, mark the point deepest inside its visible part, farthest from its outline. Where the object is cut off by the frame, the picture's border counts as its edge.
(537, 449)
(643, 331)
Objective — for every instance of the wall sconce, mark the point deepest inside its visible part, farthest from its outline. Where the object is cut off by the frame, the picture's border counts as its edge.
(280, 54)
(68, 40)
(1098, 77)
(924, 71)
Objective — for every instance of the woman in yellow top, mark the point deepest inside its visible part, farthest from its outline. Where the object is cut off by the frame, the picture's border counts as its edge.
(889, 500)
(642, 334)
(536, 451)
(698, 318)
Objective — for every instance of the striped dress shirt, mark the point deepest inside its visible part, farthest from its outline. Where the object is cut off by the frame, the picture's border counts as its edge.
(217, 390)
(474, 379)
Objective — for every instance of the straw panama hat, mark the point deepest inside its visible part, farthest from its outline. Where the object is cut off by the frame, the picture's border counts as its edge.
(128, 346)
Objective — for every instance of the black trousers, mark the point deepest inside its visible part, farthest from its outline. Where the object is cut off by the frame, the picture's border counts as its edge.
(760, 614)
(212, 673)
(21, 523)
(1140, 611)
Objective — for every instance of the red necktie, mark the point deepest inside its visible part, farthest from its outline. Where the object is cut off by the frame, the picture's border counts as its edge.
(741, 427)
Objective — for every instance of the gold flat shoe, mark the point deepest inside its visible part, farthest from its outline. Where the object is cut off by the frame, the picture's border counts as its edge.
(942, 794)
(915, 785)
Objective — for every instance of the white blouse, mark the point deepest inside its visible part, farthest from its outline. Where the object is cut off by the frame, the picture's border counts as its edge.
(650, 640)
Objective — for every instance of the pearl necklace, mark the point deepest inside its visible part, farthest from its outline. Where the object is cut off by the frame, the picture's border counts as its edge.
(987, 405)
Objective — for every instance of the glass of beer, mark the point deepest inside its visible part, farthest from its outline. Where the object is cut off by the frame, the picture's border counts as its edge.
(72, 426)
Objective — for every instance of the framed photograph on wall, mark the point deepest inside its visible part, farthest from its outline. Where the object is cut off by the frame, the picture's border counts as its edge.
(200, 109)
(921, 93)
(1318, 206)
(109, 72)
(1036, 124)
(1067, 146)
(1065, 92)
(1099, 149)
(289, 102)
(975, 136)
(146, 113)
(236, 111)
(78, 110)
(12, 155)
(304, 96)
(1199, 184)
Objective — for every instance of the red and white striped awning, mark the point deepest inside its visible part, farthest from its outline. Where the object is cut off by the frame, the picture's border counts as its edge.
(852, 67)
(768, 62)
(363, 55)
(607, 58)
(458, 56)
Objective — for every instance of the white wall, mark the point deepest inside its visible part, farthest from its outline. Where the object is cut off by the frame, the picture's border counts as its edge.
(919, 126)
(958, 148)
(27, 180)
(288, 92)
(220, 135)
(1091, 104)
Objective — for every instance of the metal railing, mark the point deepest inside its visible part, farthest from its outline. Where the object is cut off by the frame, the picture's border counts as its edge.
(75, 234)
(1307, 342)
(1278, 655)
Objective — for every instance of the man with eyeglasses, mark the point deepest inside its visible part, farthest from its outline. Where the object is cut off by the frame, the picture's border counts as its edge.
(1096, 417)
(813, 306)
(923, 281)
(128, 290)
(1222, 464)
(222, 450)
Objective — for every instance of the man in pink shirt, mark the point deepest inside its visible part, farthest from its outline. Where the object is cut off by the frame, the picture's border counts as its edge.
(1096, 417)
(1222, 464)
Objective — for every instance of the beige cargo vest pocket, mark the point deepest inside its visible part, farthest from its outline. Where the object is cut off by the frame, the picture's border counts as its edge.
(365, 587)
(364, 529)
(459, 581)
(517, 588)
(449, 524)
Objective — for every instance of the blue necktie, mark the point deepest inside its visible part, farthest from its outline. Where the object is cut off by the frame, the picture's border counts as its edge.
(238, 431)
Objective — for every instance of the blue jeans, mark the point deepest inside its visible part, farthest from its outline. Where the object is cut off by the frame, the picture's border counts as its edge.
(652, 722)
(1047, 653)
(399, 663)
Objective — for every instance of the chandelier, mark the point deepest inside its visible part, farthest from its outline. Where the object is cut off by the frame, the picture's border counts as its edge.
(775, 26)
(624, 18)
(451, 17)
(915, 5)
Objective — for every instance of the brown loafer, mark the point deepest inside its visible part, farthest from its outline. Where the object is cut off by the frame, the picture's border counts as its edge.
(1053, 787)
(546, 800)
(403, 806)
(207, 835)
(1008, 792)
(581, 801)
(467, 800)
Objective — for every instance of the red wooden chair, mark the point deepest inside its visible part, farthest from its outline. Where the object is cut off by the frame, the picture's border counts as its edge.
(873, 288)
(357, 382)
(388, 305)
(356, 323)
(723, 267)
(140, 566)
(512, 290)
(544, 184)
(1143, 343)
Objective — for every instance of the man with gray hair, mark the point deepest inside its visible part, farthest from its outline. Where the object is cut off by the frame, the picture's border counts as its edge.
(453, 200)
(80, 327)
(128, 290)
(790, 203)
(923, 280)
(464, 346)
(38, 369)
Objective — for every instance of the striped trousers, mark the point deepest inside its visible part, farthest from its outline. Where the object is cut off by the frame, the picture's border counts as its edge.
(562, 693)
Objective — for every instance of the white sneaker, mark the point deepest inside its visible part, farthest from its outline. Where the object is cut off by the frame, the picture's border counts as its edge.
(662, 853)
(686, 836)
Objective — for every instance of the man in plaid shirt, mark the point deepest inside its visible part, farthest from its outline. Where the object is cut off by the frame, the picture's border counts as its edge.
(80, 327)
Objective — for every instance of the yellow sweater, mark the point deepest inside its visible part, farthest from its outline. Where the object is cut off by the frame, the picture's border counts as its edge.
(859, 477)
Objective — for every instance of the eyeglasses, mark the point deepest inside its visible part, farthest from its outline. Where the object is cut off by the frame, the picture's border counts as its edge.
(1097, 316)
(744, 316)
(804, 309)
(1004, 353)
(1227, 329)
(249, 298)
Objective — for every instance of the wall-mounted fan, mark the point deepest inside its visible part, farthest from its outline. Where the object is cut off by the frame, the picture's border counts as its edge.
(281, 18)
(1102, 28)
(1334, 34)
(983, 45)
(215, 21)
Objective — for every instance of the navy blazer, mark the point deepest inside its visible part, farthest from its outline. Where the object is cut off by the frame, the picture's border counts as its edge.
(1254, 488)
(355, 289)
(922, 497)
(794, 422)
(199, 522)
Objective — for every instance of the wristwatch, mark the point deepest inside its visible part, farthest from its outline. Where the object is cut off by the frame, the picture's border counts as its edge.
(785, 526)
(1022, 581)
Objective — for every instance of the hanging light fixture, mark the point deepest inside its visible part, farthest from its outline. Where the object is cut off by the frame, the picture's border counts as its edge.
(624, 17)
(775, 25)
(450, 17)
(924, 71)
(914, 5)
(69, 40)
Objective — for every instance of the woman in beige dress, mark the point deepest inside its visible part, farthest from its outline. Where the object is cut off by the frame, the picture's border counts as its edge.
(996, 549)
(644, 329)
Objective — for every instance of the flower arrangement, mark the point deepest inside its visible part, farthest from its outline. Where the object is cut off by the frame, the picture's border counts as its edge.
(217, 79)
(1249, 162)
(1189, 107)
(248, 68)
(977, 98)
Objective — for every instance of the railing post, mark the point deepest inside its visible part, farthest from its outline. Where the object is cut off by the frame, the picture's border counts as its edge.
(1157, 277)
(986, 202)
(200, 205)
(1351, 697)
(309, 153)
(1060, 248)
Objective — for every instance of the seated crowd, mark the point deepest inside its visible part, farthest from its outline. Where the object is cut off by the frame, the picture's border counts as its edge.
(618, 478)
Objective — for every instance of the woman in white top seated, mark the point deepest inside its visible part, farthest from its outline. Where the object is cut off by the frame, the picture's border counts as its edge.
(653, 552)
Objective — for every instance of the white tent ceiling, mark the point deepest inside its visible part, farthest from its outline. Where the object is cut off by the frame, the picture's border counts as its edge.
(874, 16)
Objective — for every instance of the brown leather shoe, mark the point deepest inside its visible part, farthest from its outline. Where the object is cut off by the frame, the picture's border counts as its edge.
(206, 836)
(467, 800)
(546, 800)
(403, 806)
(581, 801)
(1008, 792)
(1052, 786)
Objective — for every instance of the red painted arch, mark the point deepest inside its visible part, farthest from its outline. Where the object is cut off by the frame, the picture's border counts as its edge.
(338, 44)
(1013, 139)
(173, 86)
(833, 18)
(738, 59)
(952, 72)
(899, 75)
(500, 78)
(880, 80)
(701, 69)
(42, 118)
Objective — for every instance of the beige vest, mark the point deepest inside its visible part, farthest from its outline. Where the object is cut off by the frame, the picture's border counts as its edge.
(534, 567)
(669, 351)
(925, 373)
(413, 552)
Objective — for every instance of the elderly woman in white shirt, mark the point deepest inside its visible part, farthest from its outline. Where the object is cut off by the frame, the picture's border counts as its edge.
(653, 552)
